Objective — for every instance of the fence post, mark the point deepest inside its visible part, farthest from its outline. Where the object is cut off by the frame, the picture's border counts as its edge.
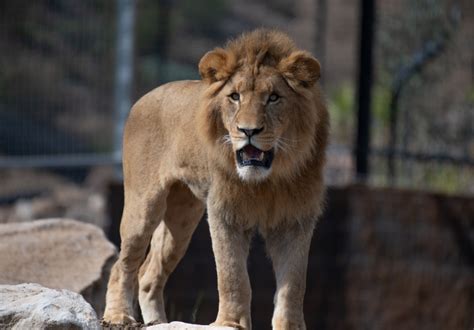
(321, 26)
(123, 72)
(366, 35)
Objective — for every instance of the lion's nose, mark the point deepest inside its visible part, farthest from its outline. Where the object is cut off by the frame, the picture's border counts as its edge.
(250, 131)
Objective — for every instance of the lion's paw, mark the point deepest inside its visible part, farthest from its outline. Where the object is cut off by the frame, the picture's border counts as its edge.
(282, 324)
(120, 321)
(230, 324)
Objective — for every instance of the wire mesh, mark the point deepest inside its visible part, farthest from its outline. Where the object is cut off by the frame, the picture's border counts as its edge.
(57, 71)
(58, 75)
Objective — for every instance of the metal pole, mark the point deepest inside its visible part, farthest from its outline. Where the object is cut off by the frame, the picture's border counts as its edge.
(321, 23)
(123, 72)
(163, 38)
(362, 149)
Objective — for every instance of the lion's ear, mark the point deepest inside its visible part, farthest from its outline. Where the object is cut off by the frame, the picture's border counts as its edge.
(300, 67)
(218, 64)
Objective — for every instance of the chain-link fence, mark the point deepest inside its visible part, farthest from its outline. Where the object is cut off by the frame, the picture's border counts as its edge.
(423, 104)
(66, 71)
(381, 258)
(56, 77)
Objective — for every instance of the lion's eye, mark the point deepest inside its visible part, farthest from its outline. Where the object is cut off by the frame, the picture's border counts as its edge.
(273, 97)
(235, 96)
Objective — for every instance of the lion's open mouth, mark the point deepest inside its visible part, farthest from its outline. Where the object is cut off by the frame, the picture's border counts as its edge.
(252, 156)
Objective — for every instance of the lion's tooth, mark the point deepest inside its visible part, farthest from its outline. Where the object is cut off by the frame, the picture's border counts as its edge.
(261, 156)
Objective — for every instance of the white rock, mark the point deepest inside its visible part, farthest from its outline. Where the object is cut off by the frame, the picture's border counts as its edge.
(31, 306)
(185, 326)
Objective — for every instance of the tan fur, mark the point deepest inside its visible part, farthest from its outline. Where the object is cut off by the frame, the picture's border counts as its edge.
(179, 157)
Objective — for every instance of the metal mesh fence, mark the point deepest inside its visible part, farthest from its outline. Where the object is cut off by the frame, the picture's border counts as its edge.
(57, 73)
(383, 256)
(423, 106)
(60, 70)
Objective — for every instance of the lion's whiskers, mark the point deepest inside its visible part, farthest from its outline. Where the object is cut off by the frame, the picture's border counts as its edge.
(293, 141)
(226, 139)
(285, 144)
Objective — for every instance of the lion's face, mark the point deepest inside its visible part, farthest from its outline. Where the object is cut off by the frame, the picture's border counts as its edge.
(255, 114)
(262, 111)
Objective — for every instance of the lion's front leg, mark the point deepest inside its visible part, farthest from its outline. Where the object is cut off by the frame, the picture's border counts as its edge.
(289, 249)
(230, 244)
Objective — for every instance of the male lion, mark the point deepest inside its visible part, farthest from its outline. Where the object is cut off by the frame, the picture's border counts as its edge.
(247, 142)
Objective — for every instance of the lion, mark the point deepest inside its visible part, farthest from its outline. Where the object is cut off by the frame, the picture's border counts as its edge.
(247, 142)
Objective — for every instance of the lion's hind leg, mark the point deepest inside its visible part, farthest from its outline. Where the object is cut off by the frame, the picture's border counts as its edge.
(142, 213)
(169, 243)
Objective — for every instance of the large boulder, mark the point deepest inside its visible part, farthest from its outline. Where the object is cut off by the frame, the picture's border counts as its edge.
(31, 306)
(58, 254)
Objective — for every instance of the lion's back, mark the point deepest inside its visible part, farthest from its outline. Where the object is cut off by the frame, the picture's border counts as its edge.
(166, 102)
(159, 121)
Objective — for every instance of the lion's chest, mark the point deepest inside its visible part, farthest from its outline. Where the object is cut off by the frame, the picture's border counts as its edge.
(264, 207)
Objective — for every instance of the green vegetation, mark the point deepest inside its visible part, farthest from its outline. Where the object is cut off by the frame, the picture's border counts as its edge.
(341, 107)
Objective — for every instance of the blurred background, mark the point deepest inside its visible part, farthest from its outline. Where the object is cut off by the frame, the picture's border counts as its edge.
(396, 246)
